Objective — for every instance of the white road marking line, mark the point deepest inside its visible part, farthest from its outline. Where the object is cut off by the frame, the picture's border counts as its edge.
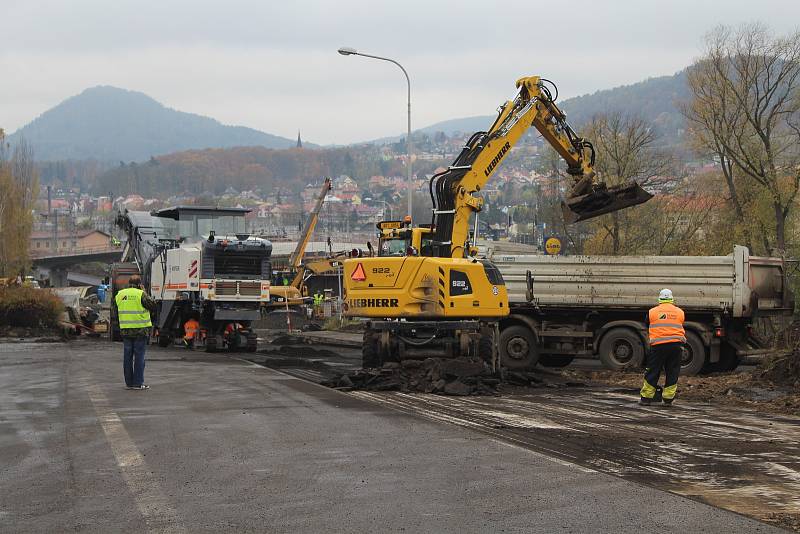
(248, 362)
(159, 515)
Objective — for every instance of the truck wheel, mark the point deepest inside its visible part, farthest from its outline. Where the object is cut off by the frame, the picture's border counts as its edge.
(518, 348)
(694, 355)
(621, 348)
(728, 360)
(164, 340)
(370, 359)
(211, 343)
(553, 360)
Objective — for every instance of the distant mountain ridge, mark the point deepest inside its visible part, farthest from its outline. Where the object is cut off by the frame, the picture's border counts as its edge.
(654, 100)
(111, 124)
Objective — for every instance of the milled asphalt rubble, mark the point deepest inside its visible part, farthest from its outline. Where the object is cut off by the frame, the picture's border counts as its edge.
(222, 444)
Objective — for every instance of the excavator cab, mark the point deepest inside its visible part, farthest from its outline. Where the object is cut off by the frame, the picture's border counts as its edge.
(399, 238)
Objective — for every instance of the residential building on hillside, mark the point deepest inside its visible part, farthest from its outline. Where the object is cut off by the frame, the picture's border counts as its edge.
(345, 187)
(43, 243)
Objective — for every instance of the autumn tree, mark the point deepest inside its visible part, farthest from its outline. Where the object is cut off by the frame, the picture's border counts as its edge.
(18, 191)
(625, 151)
(555, 180)
(745, 110)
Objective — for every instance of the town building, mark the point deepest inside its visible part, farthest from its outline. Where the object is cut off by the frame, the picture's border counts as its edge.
(43, 243)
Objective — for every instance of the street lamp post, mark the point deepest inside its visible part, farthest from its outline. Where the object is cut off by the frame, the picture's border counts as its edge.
(348, 51)
(386, 206)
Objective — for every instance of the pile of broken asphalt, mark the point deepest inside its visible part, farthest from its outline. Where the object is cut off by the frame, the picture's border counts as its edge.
(441, 376)
(432, 375)
(459, 377)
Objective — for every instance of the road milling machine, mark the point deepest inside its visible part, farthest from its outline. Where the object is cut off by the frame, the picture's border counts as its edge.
(425, 294)
(196, 262)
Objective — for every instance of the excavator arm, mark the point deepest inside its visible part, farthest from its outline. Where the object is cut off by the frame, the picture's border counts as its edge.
(297, 256)
(453, 190)
(313, 266)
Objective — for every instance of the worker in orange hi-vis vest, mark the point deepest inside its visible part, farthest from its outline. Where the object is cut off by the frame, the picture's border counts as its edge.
(667, 338)
(190, 330)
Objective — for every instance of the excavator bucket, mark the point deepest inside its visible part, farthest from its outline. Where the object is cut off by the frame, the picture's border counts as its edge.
(601, 200)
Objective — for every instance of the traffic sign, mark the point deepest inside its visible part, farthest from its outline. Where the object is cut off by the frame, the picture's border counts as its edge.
(552, 246)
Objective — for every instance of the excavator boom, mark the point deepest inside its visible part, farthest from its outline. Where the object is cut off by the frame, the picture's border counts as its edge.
(452, 191)
(297, 256)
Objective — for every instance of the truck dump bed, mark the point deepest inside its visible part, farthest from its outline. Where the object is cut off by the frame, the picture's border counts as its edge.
(739, 284)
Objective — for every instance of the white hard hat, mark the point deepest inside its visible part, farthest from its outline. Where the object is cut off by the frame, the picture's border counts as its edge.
(665, 295)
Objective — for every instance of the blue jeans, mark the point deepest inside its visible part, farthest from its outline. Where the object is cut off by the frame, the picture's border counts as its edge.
(133, 362)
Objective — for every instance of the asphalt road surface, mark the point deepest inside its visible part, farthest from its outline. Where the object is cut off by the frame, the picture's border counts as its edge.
(223, 444)
(735, 458)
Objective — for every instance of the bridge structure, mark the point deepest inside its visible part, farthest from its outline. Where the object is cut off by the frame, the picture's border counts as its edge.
(56, 264)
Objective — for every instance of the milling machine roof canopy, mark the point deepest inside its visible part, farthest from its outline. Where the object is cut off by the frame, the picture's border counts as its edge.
(175, 212)
(198, 222)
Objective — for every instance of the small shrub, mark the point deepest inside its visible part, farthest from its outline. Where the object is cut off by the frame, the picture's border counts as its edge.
(783, 366)
(30, 308)
(331, 323)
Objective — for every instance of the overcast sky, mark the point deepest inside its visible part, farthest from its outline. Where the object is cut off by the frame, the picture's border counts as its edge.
(272, 65)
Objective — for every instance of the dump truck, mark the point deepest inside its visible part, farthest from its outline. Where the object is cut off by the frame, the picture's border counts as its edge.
(196, 262)
(562, 307)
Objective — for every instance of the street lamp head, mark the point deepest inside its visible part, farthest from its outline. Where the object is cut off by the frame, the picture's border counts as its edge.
(347, 51)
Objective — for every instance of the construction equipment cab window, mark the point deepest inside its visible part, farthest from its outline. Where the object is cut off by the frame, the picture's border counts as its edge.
(394, 247)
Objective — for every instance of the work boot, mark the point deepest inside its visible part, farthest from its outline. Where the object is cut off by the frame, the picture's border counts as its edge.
(644, 401)
(667, 402)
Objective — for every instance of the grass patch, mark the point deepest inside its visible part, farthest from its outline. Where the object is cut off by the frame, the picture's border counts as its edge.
(348, 325)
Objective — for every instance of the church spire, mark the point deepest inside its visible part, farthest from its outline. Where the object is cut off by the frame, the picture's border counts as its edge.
(299, 142)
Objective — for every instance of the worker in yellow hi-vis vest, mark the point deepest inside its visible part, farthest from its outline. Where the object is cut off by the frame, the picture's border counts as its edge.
(319, 300)
(133, 308)
(667, 338)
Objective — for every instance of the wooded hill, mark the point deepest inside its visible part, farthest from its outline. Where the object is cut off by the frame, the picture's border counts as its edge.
(110, 124)
(111, 118)
(655, 100)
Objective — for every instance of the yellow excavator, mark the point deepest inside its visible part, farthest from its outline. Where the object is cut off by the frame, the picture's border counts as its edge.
(424, 293)
(294, 291)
